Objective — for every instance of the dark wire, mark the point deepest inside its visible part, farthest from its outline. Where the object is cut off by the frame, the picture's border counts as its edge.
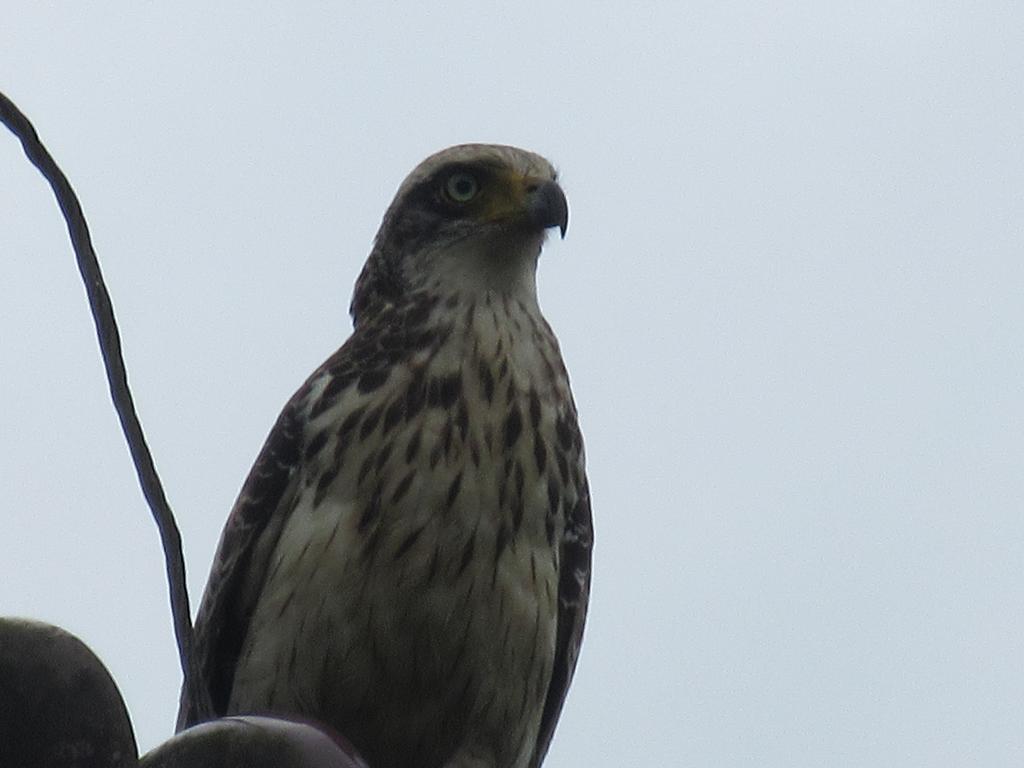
(117, 376)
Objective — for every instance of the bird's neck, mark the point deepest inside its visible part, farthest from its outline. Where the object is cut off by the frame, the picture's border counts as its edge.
(500, 267)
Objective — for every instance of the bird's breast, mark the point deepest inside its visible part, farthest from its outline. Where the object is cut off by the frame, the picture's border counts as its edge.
(414, 585)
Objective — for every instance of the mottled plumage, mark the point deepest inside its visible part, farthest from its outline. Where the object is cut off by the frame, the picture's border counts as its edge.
(409, 559)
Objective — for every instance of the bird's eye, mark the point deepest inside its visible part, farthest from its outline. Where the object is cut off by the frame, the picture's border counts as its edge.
(461, 187)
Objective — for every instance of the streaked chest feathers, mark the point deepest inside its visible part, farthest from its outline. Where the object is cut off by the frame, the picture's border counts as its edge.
(416, 578)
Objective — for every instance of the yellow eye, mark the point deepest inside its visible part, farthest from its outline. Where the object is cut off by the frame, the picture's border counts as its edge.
(461, 187)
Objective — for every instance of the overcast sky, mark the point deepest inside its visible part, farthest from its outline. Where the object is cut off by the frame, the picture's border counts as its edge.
(791, 301)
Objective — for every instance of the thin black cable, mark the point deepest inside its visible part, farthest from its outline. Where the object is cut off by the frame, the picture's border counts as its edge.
(117, 376)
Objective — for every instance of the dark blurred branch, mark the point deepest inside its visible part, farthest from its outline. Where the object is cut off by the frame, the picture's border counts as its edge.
(110, 348)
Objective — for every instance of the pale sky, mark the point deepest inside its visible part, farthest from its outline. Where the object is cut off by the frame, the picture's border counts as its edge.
(791, 301)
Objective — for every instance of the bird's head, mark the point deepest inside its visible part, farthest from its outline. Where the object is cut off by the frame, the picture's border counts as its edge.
(469, 219)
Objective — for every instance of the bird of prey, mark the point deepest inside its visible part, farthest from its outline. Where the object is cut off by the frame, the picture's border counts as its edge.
(408, 561)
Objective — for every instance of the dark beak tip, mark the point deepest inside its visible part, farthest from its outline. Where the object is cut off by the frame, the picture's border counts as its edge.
(548, 208)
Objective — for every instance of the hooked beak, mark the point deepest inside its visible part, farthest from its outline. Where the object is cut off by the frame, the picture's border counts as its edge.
(547, 206)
